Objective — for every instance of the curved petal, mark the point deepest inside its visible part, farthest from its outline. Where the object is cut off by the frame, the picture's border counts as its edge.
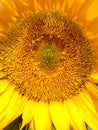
(93, 11)
(42, 4)
(70, 6)
(5, 98)
(8, 6)
(58, 116)
(95, 102)
(13, 110)
(3, 85)
(41, 116)
(93, 26)
(64, 6)
(28, 113)
(94, 77)
(20, 7)
(37, 6)
(94, 44)
(75, 7)
(32, 125)
(87, 109)
(77, 121)
(92, 89)
(7, 13)
(82, 14)
(30, 4)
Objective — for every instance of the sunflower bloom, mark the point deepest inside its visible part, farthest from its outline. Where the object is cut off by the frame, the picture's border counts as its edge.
(49, 63)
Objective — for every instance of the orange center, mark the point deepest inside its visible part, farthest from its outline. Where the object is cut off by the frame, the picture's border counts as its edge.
(47, 57)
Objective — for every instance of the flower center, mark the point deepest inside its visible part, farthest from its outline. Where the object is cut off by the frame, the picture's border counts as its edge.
(47, 57)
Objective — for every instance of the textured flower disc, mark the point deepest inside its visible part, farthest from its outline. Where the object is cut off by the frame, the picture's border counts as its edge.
(47, 57)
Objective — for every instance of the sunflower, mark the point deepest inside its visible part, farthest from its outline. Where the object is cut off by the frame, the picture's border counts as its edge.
(49, 63)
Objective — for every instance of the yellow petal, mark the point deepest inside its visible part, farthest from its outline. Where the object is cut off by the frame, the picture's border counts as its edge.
(94, 77)
(7, 11)
(19, 7)
(30, 4)
(42, 4)
(5, 98)
(93, 11)
(46, 7)
(95, 102)
(77, 121)
(41, 116)
(92, 89)
(68, 6)
(3, 85)
(58, 116)
(59, 4)
(13, 110)
(94, 43)
(64, 6)
(28, 113)
(37, 6)
(31, 124)
(87, 109)
(93, 27)
(84, 9)
(75, 7)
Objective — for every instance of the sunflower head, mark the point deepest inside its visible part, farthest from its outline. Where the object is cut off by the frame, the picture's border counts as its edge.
(48, 58)
(42, 47)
